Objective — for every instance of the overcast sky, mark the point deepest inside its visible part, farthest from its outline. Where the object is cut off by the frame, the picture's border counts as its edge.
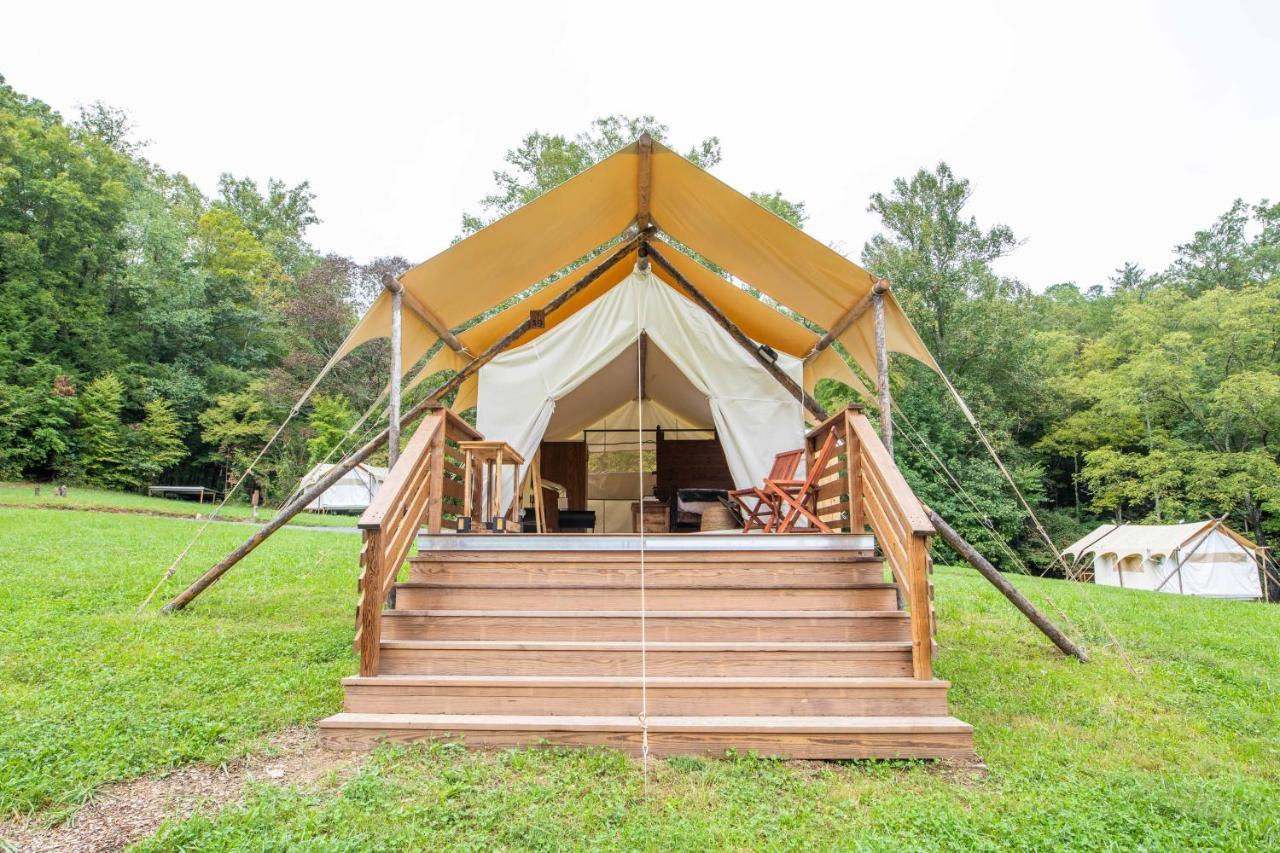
(1100, 132)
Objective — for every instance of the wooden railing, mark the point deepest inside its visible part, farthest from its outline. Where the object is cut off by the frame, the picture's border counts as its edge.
(425, 485)
(863, 487)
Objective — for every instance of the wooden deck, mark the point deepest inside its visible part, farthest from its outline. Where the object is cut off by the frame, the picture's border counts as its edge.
(802, 646)
(793, 647)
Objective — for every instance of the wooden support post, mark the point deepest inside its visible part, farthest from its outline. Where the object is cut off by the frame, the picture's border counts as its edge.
(393, 408)
(746, 343)
(340, 469)
(425, 314)
(1008, 590)
(882, 367)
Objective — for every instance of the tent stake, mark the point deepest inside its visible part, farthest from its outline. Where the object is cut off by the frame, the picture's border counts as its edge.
(1008, 590)
(335, 474)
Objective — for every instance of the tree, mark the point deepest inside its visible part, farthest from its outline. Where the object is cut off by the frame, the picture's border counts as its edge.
(935, 256)
(103, 445)
(790, 211)
(157, 441)
(331, 417)
(1224, 255)
(238, 424)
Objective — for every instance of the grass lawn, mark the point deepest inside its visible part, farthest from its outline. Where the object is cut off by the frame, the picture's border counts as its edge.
(81, 497)
(1181, 751)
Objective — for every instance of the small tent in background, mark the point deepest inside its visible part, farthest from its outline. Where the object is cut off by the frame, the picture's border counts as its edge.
(1202, 558)
(350, 494)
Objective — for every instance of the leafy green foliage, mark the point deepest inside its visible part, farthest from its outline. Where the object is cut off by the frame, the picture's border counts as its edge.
(330, 418)
(102, 435)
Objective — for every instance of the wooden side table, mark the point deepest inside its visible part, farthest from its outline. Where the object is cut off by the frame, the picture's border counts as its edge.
(482, 464)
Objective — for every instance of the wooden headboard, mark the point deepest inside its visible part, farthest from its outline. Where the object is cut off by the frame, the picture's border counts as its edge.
(690, 464)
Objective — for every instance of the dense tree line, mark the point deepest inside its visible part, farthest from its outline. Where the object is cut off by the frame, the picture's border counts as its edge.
(150, 332)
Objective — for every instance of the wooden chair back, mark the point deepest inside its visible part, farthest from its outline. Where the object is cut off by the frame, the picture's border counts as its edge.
(785, 465)
(797, 501)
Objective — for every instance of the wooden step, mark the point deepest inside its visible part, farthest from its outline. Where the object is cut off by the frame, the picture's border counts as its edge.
(621, 696)
(790, 737)
(850, 596)
(590, 568)
(458, 657)
(658, 625)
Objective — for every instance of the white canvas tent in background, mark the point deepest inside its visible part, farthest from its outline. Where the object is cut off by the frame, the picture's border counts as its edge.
(350, 494)
(586, 368)
(1202, 558)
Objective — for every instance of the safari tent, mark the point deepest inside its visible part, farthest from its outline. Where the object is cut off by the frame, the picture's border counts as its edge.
(352, 493)
(1201, 558)
(628, 325)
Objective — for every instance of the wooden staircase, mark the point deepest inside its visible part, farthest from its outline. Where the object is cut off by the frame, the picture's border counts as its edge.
(792, 646)
(795, 653)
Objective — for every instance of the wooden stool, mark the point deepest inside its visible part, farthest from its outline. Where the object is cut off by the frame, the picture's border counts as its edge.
(482, 471)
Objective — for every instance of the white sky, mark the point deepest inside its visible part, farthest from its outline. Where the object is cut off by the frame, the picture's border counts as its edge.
(1100, 132)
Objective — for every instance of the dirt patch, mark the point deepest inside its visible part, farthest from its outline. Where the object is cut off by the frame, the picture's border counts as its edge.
(128, 811)
(133, 510)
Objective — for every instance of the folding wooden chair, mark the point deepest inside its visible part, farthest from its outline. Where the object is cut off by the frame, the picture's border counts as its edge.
(795, 496)
(758, 505)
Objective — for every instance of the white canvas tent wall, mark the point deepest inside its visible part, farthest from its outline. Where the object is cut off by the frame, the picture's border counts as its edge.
(1215, 560)
(350, 494)
(586, 368)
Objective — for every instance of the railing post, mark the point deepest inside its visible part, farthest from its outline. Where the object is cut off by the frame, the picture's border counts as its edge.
(435, 482)
(919, 591)
(857, 512)
(371, 603)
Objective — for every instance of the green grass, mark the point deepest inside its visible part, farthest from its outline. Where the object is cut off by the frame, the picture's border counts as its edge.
(1181, 751)
(83, 497)
(91, 692)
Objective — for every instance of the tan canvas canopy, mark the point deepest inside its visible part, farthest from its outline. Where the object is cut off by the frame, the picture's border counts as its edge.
(596, 207)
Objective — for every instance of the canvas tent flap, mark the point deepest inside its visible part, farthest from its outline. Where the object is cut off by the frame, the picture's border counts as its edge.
(755, 417)
(770, 254)
(416, 337)
(829, 364)
(592, 209)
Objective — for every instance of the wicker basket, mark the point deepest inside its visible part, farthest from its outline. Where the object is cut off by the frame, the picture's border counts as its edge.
(718, 517)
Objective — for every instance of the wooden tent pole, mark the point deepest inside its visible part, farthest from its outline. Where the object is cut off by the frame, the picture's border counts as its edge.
(644, 179)
(424, 313)
(393, 406)
(336, 473)
(882, 369)
(746, 343)
(839, 327)
(1008, 590)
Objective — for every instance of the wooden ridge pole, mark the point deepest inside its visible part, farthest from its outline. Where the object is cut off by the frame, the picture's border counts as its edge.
(746, 343)
(644, 180)
(1008, 590)
(289, 510)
